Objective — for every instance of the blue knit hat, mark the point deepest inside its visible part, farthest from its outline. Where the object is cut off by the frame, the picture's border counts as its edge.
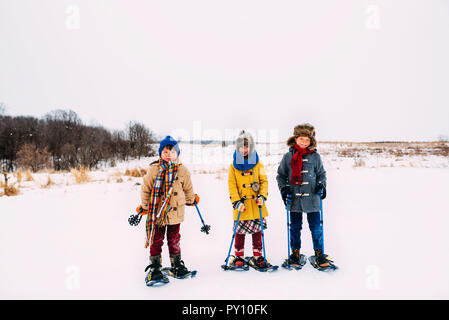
(169, 141)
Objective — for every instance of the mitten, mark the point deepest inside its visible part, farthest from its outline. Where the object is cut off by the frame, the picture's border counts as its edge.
(321, 190)
(196, 200)
(140, 210)
(260, 200)
(239, 205)
(286, 191)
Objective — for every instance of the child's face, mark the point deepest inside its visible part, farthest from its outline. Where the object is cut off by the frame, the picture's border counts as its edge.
(244, 151)
(303, 142)
(169, 155)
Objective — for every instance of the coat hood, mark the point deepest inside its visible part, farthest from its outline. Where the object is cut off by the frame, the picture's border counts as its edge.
(245, 139)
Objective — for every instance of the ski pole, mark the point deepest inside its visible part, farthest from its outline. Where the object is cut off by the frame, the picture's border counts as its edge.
(233, 236)
(261, 228)
(321, 220)
(205, 228)
(331, 265)
(288, 226)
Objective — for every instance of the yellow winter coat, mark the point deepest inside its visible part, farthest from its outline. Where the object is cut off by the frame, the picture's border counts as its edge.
(239, 183)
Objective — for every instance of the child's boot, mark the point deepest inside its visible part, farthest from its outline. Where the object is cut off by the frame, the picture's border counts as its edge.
(155, 269)
(294, 257)
(260, 262)
(322, 260)
(258, 259)
(238, 260)
(178, 268)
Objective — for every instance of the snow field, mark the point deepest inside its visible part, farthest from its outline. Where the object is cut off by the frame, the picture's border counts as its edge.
(386, 229)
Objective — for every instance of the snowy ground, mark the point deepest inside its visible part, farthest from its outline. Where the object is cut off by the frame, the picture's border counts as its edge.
(385, 227)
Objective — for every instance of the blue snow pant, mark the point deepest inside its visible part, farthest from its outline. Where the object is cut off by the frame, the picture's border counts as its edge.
(313, 218)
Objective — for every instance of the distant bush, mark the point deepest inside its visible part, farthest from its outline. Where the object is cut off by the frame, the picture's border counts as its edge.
(395, 149)
(11, 191)
(8, 189)
(442, 150)
(81, 175)
(359, 163)
(48, 183)
(31, 157)
(135, 172)
(28, 176)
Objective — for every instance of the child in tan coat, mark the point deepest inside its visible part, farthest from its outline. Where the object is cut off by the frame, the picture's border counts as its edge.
(166, 189)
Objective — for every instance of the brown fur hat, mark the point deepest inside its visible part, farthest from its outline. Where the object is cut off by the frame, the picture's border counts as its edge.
(303, 130)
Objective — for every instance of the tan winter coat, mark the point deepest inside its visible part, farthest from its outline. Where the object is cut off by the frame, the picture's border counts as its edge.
(182, 192)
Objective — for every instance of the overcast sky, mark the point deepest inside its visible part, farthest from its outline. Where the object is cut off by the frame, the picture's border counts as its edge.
(357, 70)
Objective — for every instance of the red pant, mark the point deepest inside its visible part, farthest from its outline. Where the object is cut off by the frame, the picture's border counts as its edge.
(173, 240)
(240, 244)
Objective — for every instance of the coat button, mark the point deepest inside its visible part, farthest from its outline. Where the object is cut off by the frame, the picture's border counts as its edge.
(175, 193)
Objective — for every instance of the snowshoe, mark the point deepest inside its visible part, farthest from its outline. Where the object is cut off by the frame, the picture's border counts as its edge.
(322, 262)
(178, 270)
(238, 264)
(260, 264)
(170, 272)
(154, 275)
(151, 283)
(294, 263)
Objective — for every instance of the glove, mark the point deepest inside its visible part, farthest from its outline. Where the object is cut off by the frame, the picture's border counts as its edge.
(239, 205)
(196, 200)
(140, 210)
(260, 200)
(320, 187)
(286, 191)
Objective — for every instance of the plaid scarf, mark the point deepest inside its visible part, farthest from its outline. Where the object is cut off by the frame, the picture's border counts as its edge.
(296, 164)
(167, 173)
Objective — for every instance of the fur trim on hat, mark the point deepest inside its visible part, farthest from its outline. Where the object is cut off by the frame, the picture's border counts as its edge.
(245, 139)
(304, 126)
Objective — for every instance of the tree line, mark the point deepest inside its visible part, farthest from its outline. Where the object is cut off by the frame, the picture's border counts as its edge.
(61, 141)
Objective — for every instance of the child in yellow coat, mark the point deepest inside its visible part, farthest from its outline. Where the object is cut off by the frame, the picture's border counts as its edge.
(248, 189)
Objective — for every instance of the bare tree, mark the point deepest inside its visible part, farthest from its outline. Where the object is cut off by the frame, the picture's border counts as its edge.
(69, 158)
(120, 147)
(62, 127)
(14, 132)
(140, 140)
